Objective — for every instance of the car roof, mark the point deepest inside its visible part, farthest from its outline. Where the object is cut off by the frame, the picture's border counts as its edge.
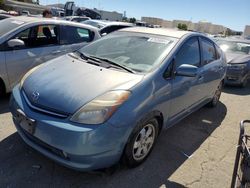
(6, 15)
(28, 19)
(107, 22)
(234, 40)
(158, 31)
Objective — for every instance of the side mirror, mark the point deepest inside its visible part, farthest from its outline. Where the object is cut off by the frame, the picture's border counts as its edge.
(15, 43)
(187, 70)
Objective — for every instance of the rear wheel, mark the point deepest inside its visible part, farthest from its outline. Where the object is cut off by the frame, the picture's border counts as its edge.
(141, 142)
(216, 97)
(2, 88)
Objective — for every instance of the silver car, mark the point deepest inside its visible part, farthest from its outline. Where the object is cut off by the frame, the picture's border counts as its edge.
(237, 52)
(28, 41)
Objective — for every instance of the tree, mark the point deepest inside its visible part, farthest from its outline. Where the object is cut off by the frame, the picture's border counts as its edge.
(228, 32)
(132, 20)
(124, 19)
(182, 26)
(1, 4)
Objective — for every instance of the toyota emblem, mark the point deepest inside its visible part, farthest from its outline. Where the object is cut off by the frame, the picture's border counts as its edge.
(35, 96)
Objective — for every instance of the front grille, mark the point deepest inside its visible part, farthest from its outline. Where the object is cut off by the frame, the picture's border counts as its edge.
(43, 110)
(44, 145)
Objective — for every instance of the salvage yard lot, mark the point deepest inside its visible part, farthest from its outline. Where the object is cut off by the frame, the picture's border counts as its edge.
(197, 152)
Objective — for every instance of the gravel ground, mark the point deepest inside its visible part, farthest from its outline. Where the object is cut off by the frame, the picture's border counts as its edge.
(197, 152)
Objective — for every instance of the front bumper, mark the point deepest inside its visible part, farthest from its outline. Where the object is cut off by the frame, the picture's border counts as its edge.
(73, 145)
(235, 76)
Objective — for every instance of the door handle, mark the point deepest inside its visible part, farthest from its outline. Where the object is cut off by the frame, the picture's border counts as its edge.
(56, 52)
(200, 77)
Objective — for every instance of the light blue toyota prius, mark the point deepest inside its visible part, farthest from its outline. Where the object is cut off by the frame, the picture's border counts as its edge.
(110, 100)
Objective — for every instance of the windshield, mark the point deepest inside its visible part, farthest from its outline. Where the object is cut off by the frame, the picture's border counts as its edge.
(138, 52)
(234, 46)
(94, 24)
(8, 25)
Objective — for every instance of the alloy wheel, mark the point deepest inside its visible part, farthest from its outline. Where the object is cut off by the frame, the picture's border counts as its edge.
(143, 142)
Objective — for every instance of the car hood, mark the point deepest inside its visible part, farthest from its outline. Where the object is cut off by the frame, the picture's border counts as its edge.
(237, 58)
(65, 84)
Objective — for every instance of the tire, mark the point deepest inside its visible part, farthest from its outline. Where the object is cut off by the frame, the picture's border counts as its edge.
(216, 98)
(2, 89)
(141, 143)
(244, 83)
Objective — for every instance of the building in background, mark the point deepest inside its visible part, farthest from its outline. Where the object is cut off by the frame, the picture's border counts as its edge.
(202, 26)
(246, 33)
(30, 6)
(107, 15)
(152, 20)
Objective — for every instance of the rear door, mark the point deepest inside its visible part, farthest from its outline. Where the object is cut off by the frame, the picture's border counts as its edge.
(212, 67)
(41, 44)
(186, 90)
(73, 38)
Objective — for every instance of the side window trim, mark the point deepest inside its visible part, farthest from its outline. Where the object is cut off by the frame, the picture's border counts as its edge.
(31, 29)
(62, 27)
(187, 40)
(218, 54)
(172, 65)
(213, 44)
(168, 74)
(5, 47)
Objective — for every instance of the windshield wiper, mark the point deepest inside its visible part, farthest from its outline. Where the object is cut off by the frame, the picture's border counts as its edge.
(93, 61)
(113, 63)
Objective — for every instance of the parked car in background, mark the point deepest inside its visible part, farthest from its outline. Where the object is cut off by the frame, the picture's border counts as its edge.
(238, 60)
(111, 99)
(106, 27)
(77, 18)
(4, 16)
(25, 12)
(29, 41)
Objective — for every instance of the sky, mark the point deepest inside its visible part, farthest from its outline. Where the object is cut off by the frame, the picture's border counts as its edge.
(234, 14)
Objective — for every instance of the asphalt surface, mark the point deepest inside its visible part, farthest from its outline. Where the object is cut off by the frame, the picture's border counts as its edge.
(197, 152)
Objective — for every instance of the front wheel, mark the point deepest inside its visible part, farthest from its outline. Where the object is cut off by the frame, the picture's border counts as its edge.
(244, 83)
(141, 142)
(216, 98)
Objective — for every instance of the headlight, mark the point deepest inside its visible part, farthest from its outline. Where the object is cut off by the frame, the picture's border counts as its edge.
(27, 74)
(237, 66)
(101, 108)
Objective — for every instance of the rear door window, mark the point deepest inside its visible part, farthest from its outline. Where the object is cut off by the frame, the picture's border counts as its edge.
(71, 35)
(208, 51)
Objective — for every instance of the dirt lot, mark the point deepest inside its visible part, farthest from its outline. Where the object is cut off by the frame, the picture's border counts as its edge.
(198, 152)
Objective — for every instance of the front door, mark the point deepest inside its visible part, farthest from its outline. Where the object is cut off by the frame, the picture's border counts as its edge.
(186, 90)
(41, 44)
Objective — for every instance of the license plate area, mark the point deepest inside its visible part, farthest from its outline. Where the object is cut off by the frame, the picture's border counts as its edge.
(28, 124)
(232, 78)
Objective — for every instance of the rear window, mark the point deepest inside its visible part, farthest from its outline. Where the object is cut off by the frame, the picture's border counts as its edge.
(9, 24)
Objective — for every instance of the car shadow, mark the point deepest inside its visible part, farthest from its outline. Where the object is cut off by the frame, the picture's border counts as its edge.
(237, 90)
(21, 166)
(4, 104)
